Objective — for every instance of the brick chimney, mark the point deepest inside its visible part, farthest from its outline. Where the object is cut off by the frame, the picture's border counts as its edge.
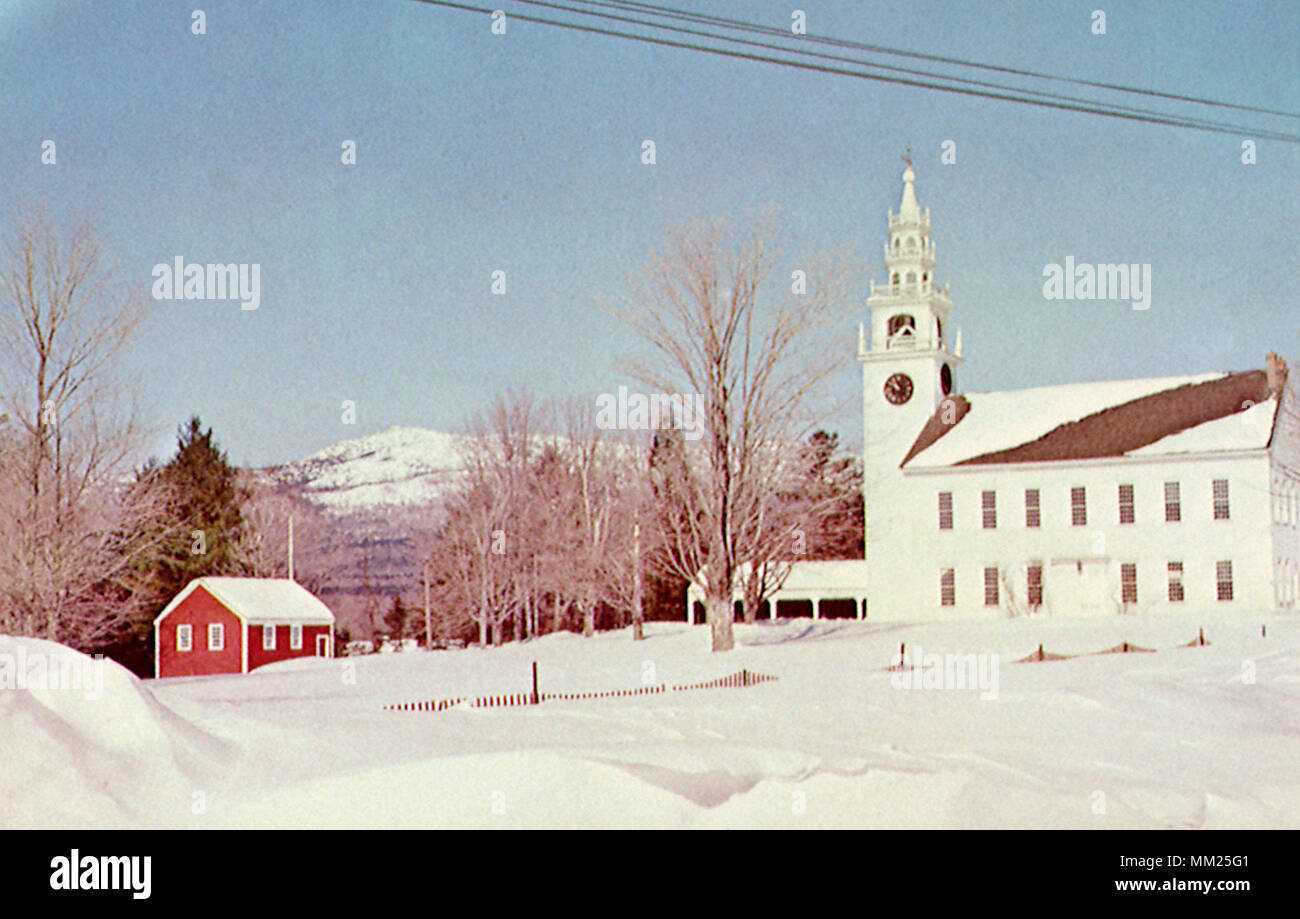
(1276, 373)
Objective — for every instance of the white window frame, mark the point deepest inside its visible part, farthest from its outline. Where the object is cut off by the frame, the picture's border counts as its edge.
(295, 637)
(268, 637)
(216, 636)
(1225, 504)
(185, 637)
(947, 586)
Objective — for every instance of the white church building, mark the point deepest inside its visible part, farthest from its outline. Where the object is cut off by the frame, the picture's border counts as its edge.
(1175, 493)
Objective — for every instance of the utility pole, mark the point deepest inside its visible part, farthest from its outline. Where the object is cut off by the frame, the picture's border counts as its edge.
(638, 612)
(428, 618)
(291, 547)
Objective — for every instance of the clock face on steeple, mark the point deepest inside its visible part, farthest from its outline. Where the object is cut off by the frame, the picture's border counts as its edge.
(898, 388)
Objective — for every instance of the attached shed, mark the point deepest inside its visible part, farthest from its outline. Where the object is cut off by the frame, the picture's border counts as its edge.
(235, 625)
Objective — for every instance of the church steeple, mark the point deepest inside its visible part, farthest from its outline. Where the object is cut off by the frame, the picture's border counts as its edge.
(910, 310)
(909, 367)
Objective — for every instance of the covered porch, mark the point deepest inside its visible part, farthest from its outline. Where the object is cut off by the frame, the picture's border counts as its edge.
(813, 590)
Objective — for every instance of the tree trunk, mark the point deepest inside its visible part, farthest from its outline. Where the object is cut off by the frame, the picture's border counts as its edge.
(588, 617)
(751, 603)
(718, 610)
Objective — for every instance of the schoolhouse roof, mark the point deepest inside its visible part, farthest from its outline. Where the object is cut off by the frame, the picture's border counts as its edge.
(260, 600)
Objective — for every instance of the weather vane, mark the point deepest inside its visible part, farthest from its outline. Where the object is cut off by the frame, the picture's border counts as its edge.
(908, 159)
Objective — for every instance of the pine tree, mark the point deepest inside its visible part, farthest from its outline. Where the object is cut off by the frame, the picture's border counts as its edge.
(396, 619)
(200, 531)
(206, 500)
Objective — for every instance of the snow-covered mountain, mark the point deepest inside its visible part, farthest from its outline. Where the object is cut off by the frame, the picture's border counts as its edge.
(397, 468)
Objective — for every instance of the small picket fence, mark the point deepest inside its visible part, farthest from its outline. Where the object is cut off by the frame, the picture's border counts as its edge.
(1040, 655)
(739, 680)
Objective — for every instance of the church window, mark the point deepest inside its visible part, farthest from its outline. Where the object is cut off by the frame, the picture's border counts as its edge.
(1223, 575)
(911, 277)
(1220, 499)
(911, 242)
(900, 322)
(895, 282)
(989, 501)
(1034, 581)
(1126, 514)
(1033, 516)
(945, 510)
(947, 587)
(1175, 582)
(1173, 503)
(1128, 582)
(991, 586)
(1079, 506)
(925, 277)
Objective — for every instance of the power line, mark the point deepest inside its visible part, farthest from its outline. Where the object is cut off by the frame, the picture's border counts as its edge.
(1087, 107)
(1236, 128)
(674, 13)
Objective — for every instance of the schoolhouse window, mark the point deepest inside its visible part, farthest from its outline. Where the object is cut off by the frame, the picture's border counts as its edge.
(1126, 514)
(1173, 503)
(1220, 499)
(295, 637)
(184, 637)
(268, 638)
(216, 636)
(1079, 506)
(947, 587)
(1033, 517)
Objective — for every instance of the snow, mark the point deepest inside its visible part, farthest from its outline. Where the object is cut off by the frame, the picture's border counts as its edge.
(1247, 430)
(1184, 737)
(1002, 420)
(259, 600)
(99, 752)
(398, 467)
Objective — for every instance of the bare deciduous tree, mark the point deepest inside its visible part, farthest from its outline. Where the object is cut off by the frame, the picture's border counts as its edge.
(750, 347)
(71, 540)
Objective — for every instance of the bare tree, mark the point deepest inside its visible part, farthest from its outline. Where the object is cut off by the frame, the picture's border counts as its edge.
(70, 539)
(750, 348)
(269, 515)
(486, 522)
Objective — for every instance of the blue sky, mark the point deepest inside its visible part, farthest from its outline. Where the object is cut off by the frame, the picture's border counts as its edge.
(520, 152)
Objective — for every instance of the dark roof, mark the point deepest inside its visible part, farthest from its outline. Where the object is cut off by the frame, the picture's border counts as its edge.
(1118, 429)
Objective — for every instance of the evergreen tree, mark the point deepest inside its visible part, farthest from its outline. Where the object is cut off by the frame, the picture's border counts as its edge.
(206, 500)
(200, 533)
(397, 618)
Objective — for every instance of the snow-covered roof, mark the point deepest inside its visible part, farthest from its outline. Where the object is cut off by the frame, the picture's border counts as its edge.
(822, 578)
(260, 600)
(848, 574)
(1164, 415)
(1247, 430)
